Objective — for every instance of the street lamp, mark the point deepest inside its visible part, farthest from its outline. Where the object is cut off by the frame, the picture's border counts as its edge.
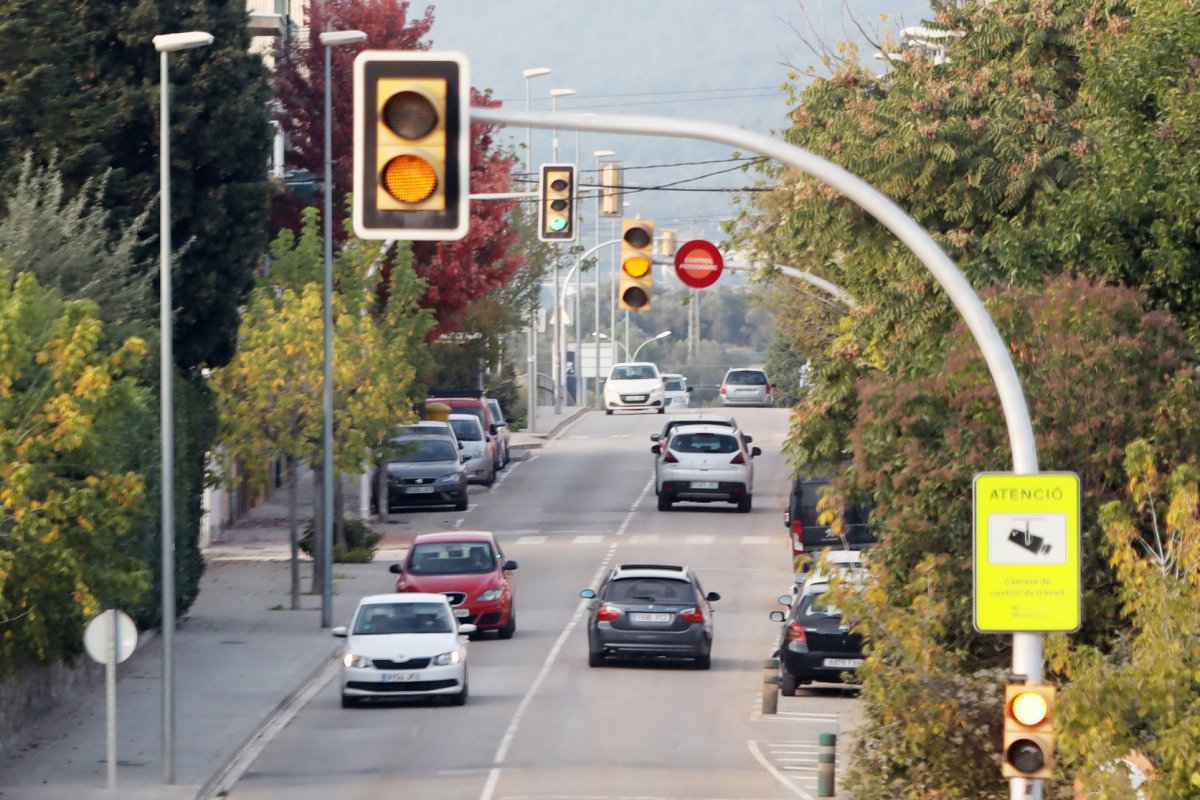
(656, 337)
(556, 369)
(531, 333)
(330, 39)
(603, 336)
(164, 44)
(598, 154)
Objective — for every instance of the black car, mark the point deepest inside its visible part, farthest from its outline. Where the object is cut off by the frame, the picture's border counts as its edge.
(423, 471)
(656, 610)
(815, 643)
(808, 535)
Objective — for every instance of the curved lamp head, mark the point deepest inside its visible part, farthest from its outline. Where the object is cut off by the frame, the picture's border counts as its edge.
(170, 42)
(535, 72)
(336, 38)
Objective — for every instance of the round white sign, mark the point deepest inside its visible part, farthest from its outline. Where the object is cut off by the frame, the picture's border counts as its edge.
(98, 636)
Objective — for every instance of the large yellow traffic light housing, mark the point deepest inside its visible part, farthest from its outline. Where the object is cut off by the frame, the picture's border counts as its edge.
(556, 203)
(411, 145)
(637, 264)
(1028, 731)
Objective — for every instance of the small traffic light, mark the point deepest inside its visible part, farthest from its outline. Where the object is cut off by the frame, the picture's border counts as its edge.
(411, 145)
(556, 203)
(637, 264)
(1028, 731)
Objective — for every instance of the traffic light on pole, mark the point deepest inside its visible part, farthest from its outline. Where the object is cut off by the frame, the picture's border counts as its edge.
(411, 145)
(1028, 731)
(556, 203)
(637, 264)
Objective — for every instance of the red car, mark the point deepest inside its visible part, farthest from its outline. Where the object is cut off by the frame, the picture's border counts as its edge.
(470, 569)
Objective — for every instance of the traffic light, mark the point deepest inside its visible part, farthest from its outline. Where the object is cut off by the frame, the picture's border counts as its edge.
(556, 203)
(411, 145)
(637, 264)
(1028, 731)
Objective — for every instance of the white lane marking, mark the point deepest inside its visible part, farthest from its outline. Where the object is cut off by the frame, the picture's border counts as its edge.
(519, 532)
(531, 540)
(588, 539)
(808, 715)
(644, 538)
(700, 538)
(489, 788)
(779, 776)
(756, 539)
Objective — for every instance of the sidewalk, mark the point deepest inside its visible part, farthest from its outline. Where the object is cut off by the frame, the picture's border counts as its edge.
(243, 662)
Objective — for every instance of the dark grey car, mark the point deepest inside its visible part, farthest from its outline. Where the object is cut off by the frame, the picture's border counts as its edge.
(424, 471)
(650, 610)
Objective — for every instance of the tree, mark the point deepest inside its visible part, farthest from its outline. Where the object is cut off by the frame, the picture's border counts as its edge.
(67, 509)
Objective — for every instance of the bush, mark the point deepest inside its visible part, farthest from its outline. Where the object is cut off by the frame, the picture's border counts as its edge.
(359, 547)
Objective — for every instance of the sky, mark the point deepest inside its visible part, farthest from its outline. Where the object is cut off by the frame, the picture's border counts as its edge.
(715, 60)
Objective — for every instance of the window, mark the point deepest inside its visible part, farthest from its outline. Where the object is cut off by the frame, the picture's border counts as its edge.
(649, 590)
(451, 558)
(386, 618)
(703, 443)
(422, 450)
(466, 430)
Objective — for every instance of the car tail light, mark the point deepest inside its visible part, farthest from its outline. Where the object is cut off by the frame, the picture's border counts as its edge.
(798, 529)
(738, 459)
(722, 390)
(670, 458)
(692, 615)
(797, 642)
(607, 613)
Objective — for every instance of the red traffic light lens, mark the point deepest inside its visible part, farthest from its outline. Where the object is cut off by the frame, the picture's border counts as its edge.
(410, 115)
(559, 185)
(637, 237)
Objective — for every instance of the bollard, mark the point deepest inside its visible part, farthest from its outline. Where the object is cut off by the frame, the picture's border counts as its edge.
(826, 763)
(770, 686)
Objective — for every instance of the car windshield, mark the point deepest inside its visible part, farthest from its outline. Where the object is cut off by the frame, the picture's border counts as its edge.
(476, 411)
(649, 590)
(409, 617)
(466, 429)
(632, 373)
(747, 378)
(494, 407)
(451, 558)
(703, 443)
(421, 450)
(674, 385)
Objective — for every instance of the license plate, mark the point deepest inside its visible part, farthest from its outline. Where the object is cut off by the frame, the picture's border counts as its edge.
(635, 398)
(462, 612)
(418, 490)
(704, 484)
(641, 616)
(399, 677)
(844, 663)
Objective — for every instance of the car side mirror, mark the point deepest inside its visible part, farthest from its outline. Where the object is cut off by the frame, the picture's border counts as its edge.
(396, 569)
(466, 628)
(747, 438)
(712, 597)
(755, 451)
(787, 519)
(785, 599)
(654, 437)
(691, 389)
(339, 631)
(588, 594)
(656, 449)
(510, 564)
(492, 429)
(777, 616)
(465, 458)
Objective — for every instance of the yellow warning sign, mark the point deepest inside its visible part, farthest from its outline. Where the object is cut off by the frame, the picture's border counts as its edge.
(1026, 530)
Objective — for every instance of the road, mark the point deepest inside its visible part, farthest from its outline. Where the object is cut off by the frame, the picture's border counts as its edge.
(540, 723)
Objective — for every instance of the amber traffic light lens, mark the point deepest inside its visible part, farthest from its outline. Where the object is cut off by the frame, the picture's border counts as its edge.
(410, 115)
(637, 237)
(635, 266)
(1029, 709)
(410, 179)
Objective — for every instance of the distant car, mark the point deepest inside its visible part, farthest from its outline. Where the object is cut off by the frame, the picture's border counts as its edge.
(470, 569)
(403, 645)
(676, 392)
(704, 464)
(428, 427)
(655, 610)
(634, 385)
(477, 446)
(809, 535)
(502, 431)
(746, 387)
(815, 644)
(423, 471)
(468, 403)
(851, 563)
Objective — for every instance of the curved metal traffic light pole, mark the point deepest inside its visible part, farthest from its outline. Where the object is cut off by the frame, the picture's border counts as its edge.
(1027, 647)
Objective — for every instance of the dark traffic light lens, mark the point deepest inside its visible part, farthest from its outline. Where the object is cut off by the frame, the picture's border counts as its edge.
(558, 205)
(1026, 756)
(635, 297)
(410, 115)
(558, 185)
(637, 237)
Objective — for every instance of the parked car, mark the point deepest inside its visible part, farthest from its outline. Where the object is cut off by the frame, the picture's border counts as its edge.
(656, 610)
(466, 402)
(429, 427)
(676, 392)
(815, 644)
(746, 387)
(477, 446)
(425, 470)
(808, 535)
(470, 569)
(704, 464)
(634, 385)
(403, 645)
(845, 563)
(502, 431)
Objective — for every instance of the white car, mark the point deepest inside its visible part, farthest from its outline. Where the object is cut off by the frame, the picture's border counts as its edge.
(404, 645)
(634, 385)
(477, 446)
(705, 464)
(675, 390)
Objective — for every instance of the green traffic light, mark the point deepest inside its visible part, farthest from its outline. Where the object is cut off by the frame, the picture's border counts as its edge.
(558, 224)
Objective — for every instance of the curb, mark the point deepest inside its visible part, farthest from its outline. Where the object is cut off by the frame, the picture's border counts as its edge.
(540, 439)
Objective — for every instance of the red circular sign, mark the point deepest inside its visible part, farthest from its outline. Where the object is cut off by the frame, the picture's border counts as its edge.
(698, 263)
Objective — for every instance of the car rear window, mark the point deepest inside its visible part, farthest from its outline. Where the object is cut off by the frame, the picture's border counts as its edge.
(649, 590)
(818, 603)
(747, 378)
(466, 429)
(674, 385)
(422, 450)
(703, 443)
(385, 618)
(451, 558)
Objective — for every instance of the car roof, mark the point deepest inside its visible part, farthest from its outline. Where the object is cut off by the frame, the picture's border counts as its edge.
(672, 571)
(455, 536)
(723, 430)
(403, 597)
(702, 419)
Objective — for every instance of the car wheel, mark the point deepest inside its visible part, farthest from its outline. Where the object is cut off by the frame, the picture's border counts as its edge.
(608, 411)
(460, 699)
(461, 505)
(349, 702)
(664, 502)
(704, 661)
(662, 411)
(744, 503)
(503, 460)
(510, 627)
(787, 684)
(491, 478)
(595, 659)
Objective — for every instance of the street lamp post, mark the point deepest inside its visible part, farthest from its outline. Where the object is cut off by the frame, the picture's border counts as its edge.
(164, 44)
(330, 39)
(654, 338)
(532, 373)
(598, 154)
(556, 370)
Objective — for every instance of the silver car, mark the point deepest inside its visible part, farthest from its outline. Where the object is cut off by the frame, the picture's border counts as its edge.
(704, 464)
(746, 387)
(502, 432)
(477, 446)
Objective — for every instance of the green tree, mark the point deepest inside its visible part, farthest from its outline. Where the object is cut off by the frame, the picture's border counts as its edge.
(66, 515)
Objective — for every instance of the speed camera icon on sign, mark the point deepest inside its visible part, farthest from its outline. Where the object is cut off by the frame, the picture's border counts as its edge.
(1027, 539)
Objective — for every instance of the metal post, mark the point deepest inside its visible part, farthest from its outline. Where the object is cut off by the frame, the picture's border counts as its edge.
(826, 764)
(110, 701)
(770, 686)
(327, 476)
(531, 380)
(167, 412)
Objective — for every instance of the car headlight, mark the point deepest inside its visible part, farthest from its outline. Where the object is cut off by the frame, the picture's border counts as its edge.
(446, 659)
(356, 660)
(451, 477)
(490, 595)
